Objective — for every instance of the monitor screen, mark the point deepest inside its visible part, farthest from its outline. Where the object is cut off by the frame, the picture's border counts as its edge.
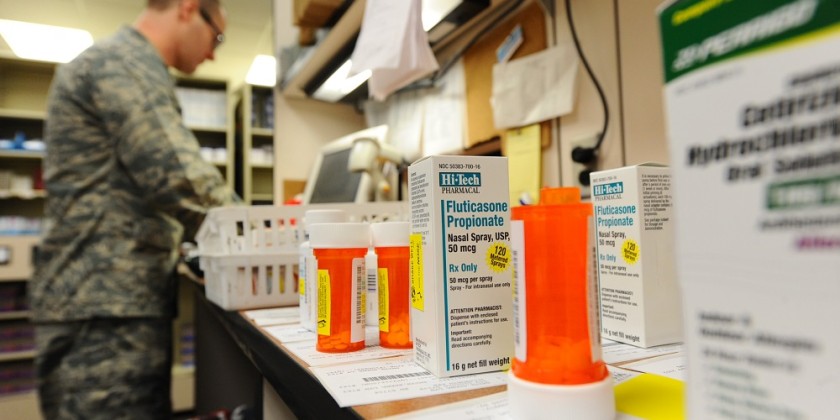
(334, 183)
(331, 180)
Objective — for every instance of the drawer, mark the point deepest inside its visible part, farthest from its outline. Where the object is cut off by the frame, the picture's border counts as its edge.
(16, 256)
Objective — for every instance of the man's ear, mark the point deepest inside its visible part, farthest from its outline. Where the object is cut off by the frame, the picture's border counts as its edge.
(186, 9)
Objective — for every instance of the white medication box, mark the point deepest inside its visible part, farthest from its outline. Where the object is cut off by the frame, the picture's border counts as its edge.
(639, 292)
(752, 96)
(461, 266)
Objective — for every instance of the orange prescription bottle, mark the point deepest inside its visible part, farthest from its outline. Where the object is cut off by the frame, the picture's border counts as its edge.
(339, 250)
(557, 371)
(390, 241)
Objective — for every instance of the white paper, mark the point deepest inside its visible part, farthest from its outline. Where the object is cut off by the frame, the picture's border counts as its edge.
(489, 407)
(618, 352)
(535, 88)
(446, 108)
(305, 350)
(394, 379)
(620, 375)
(403, 113)
(672, 366)
(274, 316)
(393, 45)
(290, 333)
(494, 406)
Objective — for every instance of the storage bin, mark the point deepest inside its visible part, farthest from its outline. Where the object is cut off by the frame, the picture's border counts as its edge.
(249, 254)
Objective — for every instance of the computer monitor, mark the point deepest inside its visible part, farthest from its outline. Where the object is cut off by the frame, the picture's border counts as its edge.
(330, 180)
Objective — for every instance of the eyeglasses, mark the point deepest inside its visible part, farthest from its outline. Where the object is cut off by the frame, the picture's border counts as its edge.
(220, 37)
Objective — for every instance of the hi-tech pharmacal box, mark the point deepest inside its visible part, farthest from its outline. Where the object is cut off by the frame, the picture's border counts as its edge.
(752, 97)
(639, 292)
(461, 267)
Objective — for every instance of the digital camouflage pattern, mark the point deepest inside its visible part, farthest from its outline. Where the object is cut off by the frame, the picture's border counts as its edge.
(105, 369)
(125, 183)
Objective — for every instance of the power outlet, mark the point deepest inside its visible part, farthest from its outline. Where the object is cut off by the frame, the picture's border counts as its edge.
(577, 168)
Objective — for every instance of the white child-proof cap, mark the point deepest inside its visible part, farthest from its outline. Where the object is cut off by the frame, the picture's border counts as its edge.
(389, 234)
(324, 216)
(339, 235)
(531, 400)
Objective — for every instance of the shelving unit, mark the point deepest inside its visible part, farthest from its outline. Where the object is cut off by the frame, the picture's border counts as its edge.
(206, 108)
(255, 136)
(23, 92)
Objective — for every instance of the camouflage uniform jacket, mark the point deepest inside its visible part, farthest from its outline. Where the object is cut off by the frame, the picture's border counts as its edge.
(125, 183)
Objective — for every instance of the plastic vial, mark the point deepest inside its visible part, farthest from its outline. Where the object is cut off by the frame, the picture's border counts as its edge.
(390, 240)
(340, 250)
(308, 268)
(557, 371)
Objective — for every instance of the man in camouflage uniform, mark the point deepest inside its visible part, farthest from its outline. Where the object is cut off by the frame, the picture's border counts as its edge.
(125, 184)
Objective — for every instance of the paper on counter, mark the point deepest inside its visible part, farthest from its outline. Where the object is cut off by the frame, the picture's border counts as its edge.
(495, 406)
(296, 332)
(290, 333)
(535, 88)
(618, 352)
(274, 316)
(305, 350)
(394, 379)
(671, 365)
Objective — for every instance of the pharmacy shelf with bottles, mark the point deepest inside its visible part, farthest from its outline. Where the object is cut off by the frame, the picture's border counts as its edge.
(256, 133)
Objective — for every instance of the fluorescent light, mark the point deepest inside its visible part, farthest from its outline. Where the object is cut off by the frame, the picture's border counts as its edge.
(44, 42)
(338, 85)
(263, 71)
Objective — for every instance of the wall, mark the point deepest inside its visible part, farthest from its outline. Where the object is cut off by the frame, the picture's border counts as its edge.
(621, 42)
(642, 82)
(302, 126)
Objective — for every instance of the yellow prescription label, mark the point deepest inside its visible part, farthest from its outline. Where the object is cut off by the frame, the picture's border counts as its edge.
(323, 302)
(630, 251)
(302, 286)
(415, 262)
(282, 279)
(498, 257)
(383, 300)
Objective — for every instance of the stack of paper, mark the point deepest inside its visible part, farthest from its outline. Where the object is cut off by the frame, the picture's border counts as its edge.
(393, 46)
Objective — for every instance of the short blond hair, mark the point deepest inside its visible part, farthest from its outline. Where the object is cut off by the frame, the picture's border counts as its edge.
(210, 5)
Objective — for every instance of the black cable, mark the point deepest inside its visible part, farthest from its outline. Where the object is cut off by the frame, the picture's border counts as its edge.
(603, 133)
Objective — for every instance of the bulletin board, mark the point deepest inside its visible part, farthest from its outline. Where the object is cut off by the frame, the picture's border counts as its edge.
(478, 70)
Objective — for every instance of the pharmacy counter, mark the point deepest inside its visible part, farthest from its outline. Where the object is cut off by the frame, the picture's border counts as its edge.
(288, 375)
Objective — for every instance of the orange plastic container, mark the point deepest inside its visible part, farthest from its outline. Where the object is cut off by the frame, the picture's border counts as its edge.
(560, 342)
(339, 250)
(390, 240)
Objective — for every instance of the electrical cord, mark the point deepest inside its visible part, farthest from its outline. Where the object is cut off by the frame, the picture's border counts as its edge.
(588, 154)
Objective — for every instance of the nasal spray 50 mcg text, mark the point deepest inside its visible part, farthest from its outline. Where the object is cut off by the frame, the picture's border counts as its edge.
(558, 371)
(460, 264)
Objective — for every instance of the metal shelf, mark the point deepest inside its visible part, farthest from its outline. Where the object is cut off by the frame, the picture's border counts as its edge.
(12, 315)
(10, 356)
